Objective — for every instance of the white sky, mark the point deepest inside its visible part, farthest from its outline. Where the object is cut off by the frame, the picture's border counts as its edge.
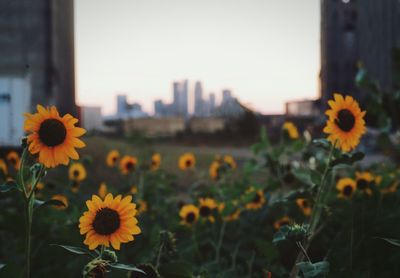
(266, 51)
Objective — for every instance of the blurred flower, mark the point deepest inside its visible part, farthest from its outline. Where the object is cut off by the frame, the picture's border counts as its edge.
(282, 222)
(134, 190)
(13, 159)
(128, 164)
(141, 206)
(230, 161)
(53, 137)
(187, 161)
(391, 189)
(75, 186)
(102, 190)
(364, 180)
(345, 124)
(214, 170)
(221, 165)
(77, 172)
(189, 214)
(291, 130)
(3, 167)
(155, 161)
(231, 217)
(258, 200)
(109, 221)
(112, 158)
(206, 207)
(61, 198)
(304, 205)
(346, 187)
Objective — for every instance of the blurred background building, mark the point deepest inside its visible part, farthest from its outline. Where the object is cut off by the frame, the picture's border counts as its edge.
(357, 33)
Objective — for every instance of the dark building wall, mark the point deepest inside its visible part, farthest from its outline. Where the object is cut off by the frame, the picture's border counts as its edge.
(357, 32)
(37, 40)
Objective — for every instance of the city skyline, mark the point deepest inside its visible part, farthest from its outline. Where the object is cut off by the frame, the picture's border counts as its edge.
(243, 46)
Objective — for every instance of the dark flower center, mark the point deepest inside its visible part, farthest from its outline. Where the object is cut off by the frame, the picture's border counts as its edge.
(52, 132)
(130, 165)
(362, 184)
(305, 204)
(114, 159)
(75, 184)
(205, 211)
(106, 221)
(257, 198)
(188, 163)
(345, 120)
(13, 161)
(75, 173)
(190, 217)
(347, 190)
(283, 223)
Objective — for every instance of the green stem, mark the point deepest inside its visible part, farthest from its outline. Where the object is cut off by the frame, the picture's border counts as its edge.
(219, 244)
(102, 251)
(21, 172)
(28, 229)
(159, 256)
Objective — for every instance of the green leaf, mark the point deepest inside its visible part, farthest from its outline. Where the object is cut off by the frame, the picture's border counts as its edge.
(176, 269)
(52, 202)
(322, 143)
(317, 270)
(2, 265)
(9, 185)
(304, 175)
(348, 159)
(74, 249)
(393, 241)
(127, 267)
(281, 234)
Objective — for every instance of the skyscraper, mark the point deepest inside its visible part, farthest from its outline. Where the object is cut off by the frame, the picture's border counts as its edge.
(37, 47)
(180, 103)
(357, 32)
(226, 96)
(211, 103)
(198, 100)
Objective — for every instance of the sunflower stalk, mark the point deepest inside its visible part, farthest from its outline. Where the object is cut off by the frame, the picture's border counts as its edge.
(219, 244)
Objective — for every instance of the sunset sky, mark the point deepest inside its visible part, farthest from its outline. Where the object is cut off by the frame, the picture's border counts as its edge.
(266, 51)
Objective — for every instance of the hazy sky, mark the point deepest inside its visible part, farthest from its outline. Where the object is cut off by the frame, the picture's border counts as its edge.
(266, 51)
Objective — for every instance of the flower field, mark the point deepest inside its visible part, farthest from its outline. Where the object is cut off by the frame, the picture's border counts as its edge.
(74, 205)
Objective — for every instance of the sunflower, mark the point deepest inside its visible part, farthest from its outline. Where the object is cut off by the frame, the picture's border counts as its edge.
(230, 161)
(206, 207)
(3, 168)
(231, 217)
(391, 189)
(258, 200)
(134, 190)
(142, 207)
(102, 190)
(214, 170)
(109, 221)
(128, 164)
(282, 222)
(291, 130)
(304, 205)
(346, 123)
(53, 137)
(364, 181)
(13, 159)
(155, 161)
(187, 161)
(112, 158)
(346, 187)
(61, 198)
(189, 214)
(77, 172)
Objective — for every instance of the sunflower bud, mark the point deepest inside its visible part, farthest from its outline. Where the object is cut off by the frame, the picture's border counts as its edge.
(95, 269)
(297, 232)
(110, 256)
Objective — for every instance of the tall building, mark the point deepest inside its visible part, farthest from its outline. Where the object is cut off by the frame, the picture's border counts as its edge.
(180, 103)
(122, 103)
(226, 96)
(211, 101)
(198, 100)
(127, 110)
(37, 47)
(354, 32)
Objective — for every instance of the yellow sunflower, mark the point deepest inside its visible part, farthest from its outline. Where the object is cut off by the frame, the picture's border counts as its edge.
(53, 137)
(187, 161)
(346, 187)
(291, 130)
(13, 159)
(346, 123)
(142, 206)
(364, 181)
(391, 189)
(77, 172)
(134, 190)
(206, 207)
(258, 201)
(282, 222)
(61, 198)
(128, 164)
(155, 161)
(112, 158)
(3, 167)
(189, 214)
(109, 221)
(102, 190)
(231, 217)
(230, 161)
(214, 170)
(304, 205)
